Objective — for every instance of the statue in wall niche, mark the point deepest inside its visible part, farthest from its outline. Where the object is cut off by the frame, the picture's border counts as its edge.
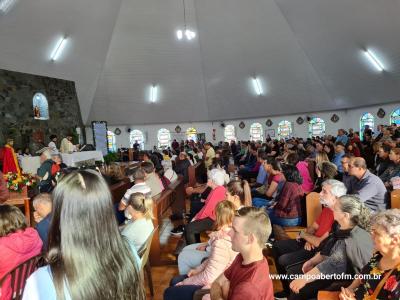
(36, 112)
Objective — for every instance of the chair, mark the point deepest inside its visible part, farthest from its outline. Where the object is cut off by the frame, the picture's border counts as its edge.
(395, 199)
(18, 276)
(144, 259)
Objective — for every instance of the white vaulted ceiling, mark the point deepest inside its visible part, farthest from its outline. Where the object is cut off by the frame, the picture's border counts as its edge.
(306, 53)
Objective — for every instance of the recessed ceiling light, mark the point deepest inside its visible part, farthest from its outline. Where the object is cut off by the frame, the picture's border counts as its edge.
(59, 48)
(374, 60)
(179, 34)
(153, 93)
(257, 86)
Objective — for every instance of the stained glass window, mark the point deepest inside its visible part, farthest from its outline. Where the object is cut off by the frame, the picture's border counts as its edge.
(256, 132)
(395, 117)
(366, 119)
(191, 134)
(111, 144)
(284, 129)
(229, 133)
(164, 138)
(316, 127)
(137, 135)
(40, 107)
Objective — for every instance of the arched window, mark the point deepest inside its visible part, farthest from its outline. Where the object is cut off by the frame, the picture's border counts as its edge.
(191, 134)
(284, 129)
(137, 135)
(164, 138)
(395, 117)
(366, 119)
(111, 144)
(40, 107)
(229, 133)
(316, 127)
(256, 132)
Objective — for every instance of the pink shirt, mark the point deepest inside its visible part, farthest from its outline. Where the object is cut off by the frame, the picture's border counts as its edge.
(208, 211)
(308, 184)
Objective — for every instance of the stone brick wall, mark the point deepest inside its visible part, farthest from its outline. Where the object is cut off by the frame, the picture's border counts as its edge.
(17, 114)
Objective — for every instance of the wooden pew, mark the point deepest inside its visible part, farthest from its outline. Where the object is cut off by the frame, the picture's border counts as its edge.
(173, 197)
(196, 172)
(313, 210)
(118, 190)
(395, 199)
(161, 203)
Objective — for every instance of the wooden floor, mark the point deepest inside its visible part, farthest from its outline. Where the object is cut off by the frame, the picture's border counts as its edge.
(163, 274)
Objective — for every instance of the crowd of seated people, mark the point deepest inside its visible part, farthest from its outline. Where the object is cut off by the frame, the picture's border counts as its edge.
(355, 232)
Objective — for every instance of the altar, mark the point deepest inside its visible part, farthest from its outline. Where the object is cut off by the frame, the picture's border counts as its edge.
(30, 164)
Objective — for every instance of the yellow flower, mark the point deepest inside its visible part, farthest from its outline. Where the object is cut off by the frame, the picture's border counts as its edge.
(375, 270)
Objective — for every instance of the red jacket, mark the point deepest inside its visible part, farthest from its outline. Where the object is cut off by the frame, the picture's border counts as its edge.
(208, 211)
(16, 248)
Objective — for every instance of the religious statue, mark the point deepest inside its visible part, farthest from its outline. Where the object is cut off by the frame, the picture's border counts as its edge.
(36, 112)
(10, 161)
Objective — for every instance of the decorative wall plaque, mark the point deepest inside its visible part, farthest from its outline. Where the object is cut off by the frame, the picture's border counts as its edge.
(381, 113)
(269, 123)
(241, 125)
(117, 131)
(300, 120)
(334, 118)
(178, 129)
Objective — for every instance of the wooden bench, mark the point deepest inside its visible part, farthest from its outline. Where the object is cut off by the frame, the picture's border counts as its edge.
(161, 202)
(395, 199)
(313, 210)
(195, 173)
(118, 190)
(21, 199)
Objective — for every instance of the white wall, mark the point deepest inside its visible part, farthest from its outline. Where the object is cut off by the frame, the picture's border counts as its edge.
(348, 119)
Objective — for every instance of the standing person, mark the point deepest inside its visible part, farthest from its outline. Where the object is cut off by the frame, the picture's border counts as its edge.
(52, 145)
(10, 161)
(66, 144)
(86, 264)
(210, 154)
(248, 275)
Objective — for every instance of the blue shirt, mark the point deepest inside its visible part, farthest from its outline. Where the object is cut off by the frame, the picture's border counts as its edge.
(40, 286)
(342, 138)
(337, 160)
(262, 175)
(43, 229)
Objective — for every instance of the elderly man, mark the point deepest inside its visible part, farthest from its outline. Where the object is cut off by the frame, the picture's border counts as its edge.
(44, 172)
(43, 205)
(369, 187)
(289, 252)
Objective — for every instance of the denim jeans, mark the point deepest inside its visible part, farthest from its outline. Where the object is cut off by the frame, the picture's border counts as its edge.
(190, 258)
(181, 292)
(261, 202)
(284, 222)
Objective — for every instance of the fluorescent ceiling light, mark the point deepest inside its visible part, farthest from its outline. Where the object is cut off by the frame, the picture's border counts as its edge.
(257, 86)
(190, 34)
(6, 5)
(374, 60)
(59, 48)
(153, 93)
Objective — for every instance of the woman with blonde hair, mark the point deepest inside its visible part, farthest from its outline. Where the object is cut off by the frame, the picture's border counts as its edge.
(220, 257)
(139, 211)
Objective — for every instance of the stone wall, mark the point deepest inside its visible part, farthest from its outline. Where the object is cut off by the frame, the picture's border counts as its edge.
(17, 113)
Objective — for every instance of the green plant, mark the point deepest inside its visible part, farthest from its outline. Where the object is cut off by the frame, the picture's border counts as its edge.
(110, 157)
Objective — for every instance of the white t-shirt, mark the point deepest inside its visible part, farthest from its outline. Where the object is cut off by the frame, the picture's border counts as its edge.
(137, 188)
(138, 231)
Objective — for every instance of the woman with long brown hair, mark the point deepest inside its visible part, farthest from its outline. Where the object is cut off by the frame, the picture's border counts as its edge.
(88, 258)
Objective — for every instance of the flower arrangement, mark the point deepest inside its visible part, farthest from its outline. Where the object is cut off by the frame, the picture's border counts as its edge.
(15, 182)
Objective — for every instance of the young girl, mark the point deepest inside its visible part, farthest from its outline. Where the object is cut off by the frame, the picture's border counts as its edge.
(140, 210)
